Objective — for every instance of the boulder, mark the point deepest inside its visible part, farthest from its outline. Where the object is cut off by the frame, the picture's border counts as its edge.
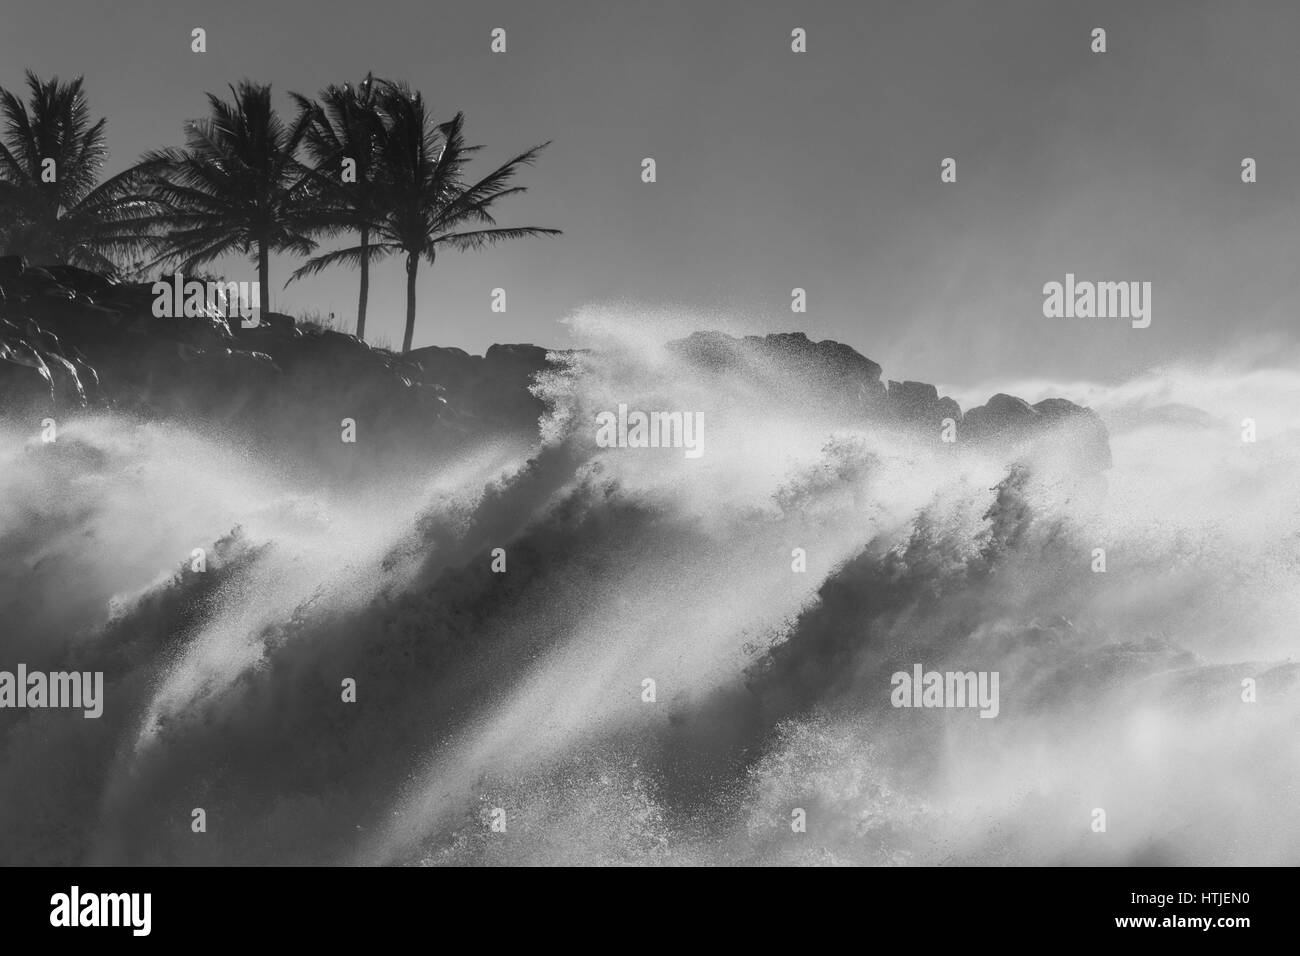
(1003, 416)
(25, 381)
(90, 284)
(833, 374)
(522, 357)
(11, 267)
(448, 367)
(68, 391)
(917, 403)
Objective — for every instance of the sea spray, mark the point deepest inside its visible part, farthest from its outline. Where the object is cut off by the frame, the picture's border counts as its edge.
(504, 716)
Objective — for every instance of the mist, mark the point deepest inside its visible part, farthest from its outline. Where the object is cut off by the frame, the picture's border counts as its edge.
(520, 697)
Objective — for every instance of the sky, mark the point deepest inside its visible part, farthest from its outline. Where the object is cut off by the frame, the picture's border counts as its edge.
(777, 170)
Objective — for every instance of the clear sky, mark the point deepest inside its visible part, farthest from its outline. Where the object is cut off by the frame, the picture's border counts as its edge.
(776, 169)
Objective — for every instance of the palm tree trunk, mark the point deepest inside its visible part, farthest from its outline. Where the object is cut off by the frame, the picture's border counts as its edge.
(365, 283)
(263, 278)
(412, 264)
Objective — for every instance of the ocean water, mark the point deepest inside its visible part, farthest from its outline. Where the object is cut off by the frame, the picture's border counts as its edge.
(503, 717)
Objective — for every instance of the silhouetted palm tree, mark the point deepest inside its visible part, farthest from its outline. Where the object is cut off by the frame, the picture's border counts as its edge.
(237, 186)
(427, 200)
(59, 211)
(347, 125)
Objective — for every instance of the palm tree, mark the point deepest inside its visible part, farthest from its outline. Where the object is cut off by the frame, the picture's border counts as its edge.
(237, 186)
(425, 195)
(347, 125)
(60, 212)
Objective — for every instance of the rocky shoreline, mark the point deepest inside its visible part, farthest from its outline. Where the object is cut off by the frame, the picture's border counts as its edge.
(72, 340)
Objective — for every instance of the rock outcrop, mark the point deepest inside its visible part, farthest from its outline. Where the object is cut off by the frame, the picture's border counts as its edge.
(71, 339)
(836, 376)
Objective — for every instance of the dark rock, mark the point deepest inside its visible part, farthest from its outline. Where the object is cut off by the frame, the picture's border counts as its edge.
(1003, 415)
(90, 284)
(72, 322)
(128, 297)
(11, 267)
(449, 367)
(69, 337)
(916, 394)
(25, 381)
(41, 338)
(494, 386)
(831, 373)
(1076, 430)
(282, 325)
(1055, 426)
(917, 403)
(88, 378)
(532, 357)
(68, 392)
